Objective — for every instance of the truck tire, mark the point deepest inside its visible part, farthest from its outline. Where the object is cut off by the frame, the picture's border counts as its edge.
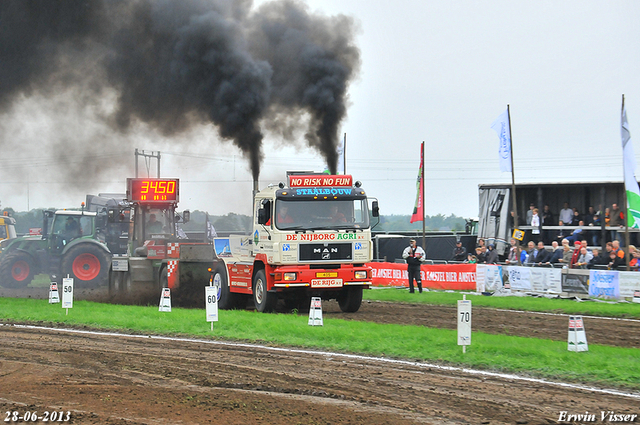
(264, 300)
(88, 264)
(351, 299)
(17, 270)
(226, 299)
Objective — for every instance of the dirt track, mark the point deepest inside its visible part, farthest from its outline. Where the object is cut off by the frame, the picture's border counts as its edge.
(126, 380)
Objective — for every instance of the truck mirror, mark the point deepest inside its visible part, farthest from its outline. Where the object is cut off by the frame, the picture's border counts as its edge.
(186, 216)
(375, 211)
(264, 213)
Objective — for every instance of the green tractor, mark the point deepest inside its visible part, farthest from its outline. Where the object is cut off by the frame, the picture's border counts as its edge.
(70, 243)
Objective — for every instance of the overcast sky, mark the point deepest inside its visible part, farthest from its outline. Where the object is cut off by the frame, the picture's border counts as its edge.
(435, 71)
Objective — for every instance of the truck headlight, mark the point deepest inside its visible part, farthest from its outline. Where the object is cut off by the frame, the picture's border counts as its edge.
(361, 274)
(290, 276)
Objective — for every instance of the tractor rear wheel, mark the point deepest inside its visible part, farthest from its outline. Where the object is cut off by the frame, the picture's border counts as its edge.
(88, 264)
(17, 270)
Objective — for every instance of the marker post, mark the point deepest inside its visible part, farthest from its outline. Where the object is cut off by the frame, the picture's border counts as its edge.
(464, 323)
(315, 312)
(54, 296)
(211, 303)
(165, 300)
(67, 293)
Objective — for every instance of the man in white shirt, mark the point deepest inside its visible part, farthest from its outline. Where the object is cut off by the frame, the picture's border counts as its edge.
(566, 214)
(414, 255)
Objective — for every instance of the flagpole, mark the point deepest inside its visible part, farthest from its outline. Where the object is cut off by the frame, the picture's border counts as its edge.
(514, 203)
(626, 201)
(424, 210)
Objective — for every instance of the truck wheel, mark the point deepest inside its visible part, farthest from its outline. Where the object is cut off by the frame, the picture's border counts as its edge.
(264, 300)
(16, 270)
(351, 299)
(87, 264)
(226, 299)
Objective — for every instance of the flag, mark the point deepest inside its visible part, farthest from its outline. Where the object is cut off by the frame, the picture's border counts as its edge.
(629, 166)
(502, 127)
(418, 209)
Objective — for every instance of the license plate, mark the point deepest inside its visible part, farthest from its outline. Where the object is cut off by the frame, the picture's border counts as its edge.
(327, 274)
(326, 283)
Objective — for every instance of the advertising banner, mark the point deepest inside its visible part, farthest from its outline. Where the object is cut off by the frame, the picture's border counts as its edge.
(518, 277)
(434, 276)
(604, 284)
(629, 283)
(488, 277)
(575, 284)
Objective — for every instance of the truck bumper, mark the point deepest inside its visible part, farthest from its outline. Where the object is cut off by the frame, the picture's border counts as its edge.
(320, 279)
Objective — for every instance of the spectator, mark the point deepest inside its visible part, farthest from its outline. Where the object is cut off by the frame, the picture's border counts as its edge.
(561, 233)
(566, 253)
(492, 255)
(616, 219)
(542, 255)
(530, 212)
(480, 255)
(577, 217)
(577, 234)
(584, 258)
(556, 253)
(414, 255)
(594, 235)
(480, 243)
(547, 220)
(535, 224)
(615, 247)
(634, 257)
(527, 256)
(576, 252)
(597, 260)
(459, 252)
(614, 261)
(566, 214)
(513, 256)
(471, 259)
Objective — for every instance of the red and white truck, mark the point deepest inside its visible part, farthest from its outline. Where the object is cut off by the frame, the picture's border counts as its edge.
(311, 237)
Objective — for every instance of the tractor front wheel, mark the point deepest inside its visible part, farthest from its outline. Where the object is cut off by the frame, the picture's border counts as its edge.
(17, 270)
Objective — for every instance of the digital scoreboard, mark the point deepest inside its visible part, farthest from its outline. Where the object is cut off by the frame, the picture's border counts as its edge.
(153, 190)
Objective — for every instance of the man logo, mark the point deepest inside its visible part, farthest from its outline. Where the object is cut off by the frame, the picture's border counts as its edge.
(326, 256)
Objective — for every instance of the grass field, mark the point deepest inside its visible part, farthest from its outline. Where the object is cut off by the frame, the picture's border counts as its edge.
(601, 365)
(554, 305)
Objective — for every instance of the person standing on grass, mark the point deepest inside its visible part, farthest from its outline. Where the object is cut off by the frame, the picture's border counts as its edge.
(414, 255)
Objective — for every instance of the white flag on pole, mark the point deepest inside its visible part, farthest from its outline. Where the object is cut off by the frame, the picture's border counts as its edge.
(501, 126)
(629, 166)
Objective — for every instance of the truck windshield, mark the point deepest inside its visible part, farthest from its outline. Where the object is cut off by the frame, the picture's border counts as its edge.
(316, 215)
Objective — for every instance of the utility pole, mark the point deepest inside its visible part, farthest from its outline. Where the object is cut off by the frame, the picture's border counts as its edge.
(147, 160)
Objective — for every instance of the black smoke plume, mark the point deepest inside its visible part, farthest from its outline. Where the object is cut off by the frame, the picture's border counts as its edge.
(173, 64)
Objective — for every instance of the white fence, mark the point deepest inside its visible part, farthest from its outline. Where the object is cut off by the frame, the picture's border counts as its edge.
(572, 282)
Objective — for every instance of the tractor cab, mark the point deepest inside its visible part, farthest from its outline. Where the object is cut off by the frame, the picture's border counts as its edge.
(62, 227)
